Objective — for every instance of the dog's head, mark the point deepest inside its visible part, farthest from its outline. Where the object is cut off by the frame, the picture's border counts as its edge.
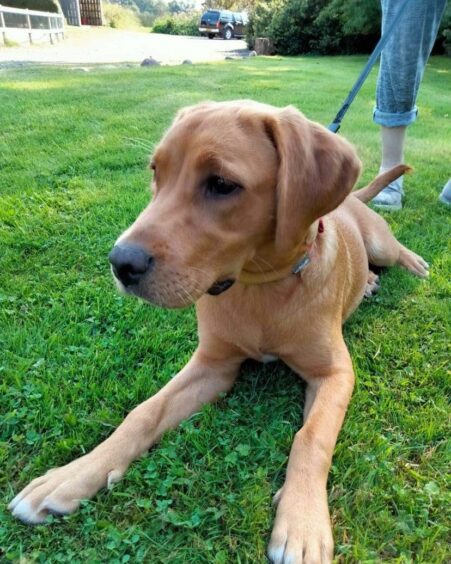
(234, 182)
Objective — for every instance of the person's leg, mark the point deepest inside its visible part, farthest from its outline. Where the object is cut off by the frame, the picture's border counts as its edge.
(401, 70)
(392, 140)
(445, 196)
(392, 145)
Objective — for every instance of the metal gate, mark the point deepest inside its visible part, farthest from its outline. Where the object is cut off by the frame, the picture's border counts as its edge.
(91, 12)
(71, 11)
(82, 12)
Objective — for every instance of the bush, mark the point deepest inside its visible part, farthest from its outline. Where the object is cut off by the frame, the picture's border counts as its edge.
(347, 26)
(165, 24)
(326, 27)
(146, 10)
(182, 24)
(443, 43)
(119, 17)
(293, 27)
(260, 20)
(317, 26)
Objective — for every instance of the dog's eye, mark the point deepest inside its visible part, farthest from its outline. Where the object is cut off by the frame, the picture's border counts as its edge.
(217, 186)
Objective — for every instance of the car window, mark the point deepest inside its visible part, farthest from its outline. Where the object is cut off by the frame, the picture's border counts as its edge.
(212, 16)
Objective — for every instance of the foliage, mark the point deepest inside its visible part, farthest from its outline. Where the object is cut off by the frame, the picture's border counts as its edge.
(443, 44)
(40, 5)
(260, 20)
(293, 26)
(224, 5)
(10, 43)
(76, 356)
(182, 24)
(326, 26)
(149, 10)
(118, 16)
(175, 18)
(316, 26)
(176, 7)
(346, 26)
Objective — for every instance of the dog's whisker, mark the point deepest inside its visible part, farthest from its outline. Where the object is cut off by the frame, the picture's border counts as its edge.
(190, 297)
(190, 267)
(271, 268)
(142, 140)
(199, 270)
(261, 259)
(139, 142)
(181, 297)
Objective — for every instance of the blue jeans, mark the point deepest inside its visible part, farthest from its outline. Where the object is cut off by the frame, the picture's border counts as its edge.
(404, 59)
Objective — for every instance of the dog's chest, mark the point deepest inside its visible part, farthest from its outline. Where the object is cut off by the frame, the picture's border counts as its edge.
(256, 340)
(263, 330)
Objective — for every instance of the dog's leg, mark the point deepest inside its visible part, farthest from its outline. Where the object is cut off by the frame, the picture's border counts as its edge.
(372, 286)
(302, 531)
(384, 249)
(61, 489)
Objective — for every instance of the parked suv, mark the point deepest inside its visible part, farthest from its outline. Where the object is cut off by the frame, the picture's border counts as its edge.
(223, 23)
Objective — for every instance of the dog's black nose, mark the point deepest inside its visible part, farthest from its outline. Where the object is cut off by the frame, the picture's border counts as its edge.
(130, 263)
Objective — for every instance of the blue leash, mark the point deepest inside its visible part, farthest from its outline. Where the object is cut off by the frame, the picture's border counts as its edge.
(335, 125)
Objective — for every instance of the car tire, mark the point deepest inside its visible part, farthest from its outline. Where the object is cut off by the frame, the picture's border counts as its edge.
(228, 33)
(211, 36)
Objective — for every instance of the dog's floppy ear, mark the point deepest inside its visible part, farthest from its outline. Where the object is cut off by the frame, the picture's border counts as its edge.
(317, 170)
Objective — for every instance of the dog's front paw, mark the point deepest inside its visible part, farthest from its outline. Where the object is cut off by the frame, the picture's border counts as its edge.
(301, 532)
(60, 491)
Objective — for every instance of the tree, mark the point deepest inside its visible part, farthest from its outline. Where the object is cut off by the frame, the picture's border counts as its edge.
(224, 4)
(317, 26)
(180, 7)
(124, 3)
(146, 10)
(40, 5)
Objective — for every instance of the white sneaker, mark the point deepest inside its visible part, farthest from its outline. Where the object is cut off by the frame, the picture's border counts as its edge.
(390, 198)
(445, 196)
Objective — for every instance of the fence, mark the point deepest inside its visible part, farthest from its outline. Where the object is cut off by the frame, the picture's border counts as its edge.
(30, 21)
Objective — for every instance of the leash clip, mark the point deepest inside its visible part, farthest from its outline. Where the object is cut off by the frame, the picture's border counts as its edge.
(299, 267)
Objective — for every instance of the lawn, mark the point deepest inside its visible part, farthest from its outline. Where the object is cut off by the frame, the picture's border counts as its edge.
(76, 356)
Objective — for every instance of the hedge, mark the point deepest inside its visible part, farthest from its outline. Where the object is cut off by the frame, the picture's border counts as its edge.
(183, 24)
(326, 27)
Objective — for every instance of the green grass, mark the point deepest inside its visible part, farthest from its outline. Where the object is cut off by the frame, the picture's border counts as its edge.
(76, 357)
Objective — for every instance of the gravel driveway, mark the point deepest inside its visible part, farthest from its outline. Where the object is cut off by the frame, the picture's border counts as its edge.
(105, 45)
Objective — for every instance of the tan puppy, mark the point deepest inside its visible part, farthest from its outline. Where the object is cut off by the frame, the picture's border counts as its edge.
(233, 214)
